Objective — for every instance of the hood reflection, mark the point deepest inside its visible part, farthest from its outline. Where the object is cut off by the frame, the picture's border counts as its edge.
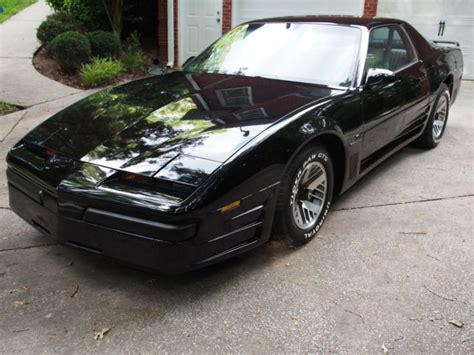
(142, 125)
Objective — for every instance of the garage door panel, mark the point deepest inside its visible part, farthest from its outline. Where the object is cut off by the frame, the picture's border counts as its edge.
(247, 10)
(401, 8)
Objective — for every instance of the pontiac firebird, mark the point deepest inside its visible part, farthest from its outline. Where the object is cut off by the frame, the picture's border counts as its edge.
(251, 140)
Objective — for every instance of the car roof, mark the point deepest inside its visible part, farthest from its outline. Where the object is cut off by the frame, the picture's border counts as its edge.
(340, 20)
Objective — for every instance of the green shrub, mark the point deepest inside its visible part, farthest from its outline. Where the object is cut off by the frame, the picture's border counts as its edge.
(56, 5)
(133, 42)
(132, 61)
(89, 12)
(133, 58)
(71, 50)
(104, 44)
(55, 25)
(100, 72)
(63, 17)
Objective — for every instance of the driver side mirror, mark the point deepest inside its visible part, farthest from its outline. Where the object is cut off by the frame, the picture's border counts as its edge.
(376, 76)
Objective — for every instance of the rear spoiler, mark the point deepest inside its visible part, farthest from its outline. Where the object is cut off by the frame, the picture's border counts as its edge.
(454, 43)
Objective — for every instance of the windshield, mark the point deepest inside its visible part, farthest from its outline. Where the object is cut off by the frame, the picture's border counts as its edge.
(311, 53)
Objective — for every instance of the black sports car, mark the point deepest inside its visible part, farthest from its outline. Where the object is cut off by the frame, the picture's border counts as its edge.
(251, 140)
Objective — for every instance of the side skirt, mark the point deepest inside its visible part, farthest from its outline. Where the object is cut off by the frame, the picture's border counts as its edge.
(381, 155)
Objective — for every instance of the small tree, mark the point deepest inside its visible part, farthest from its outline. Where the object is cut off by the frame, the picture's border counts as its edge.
(114, 9)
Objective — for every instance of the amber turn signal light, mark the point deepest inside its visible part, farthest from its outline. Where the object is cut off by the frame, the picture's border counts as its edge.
(230, 206)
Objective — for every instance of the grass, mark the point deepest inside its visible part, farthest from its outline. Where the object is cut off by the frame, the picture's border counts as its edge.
(12, 7)
(6, 108)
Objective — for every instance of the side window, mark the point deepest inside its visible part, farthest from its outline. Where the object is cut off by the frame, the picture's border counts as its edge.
(387, 49)
(399, 55)
(378, 49)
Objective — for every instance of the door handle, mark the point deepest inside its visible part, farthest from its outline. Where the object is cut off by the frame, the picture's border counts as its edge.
(218, 20)
(441, 27)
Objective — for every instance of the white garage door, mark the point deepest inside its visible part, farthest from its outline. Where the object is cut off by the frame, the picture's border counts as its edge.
(247, 10)
(428, 16)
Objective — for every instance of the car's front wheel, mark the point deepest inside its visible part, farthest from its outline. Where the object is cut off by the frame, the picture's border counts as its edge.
(305, 195)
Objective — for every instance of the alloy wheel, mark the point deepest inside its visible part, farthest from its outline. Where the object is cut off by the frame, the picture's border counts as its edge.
(308, 200)
(439, 120)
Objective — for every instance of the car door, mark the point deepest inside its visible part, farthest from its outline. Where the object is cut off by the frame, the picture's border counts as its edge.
(391, 104)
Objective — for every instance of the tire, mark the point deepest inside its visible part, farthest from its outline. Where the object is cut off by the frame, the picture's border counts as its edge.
(433, 132)
(293, 199)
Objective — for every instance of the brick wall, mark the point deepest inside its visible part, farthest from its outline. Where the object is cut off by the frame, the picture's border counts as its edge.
(226, 16)
(162, 31)
(176, 36)
(370, 8)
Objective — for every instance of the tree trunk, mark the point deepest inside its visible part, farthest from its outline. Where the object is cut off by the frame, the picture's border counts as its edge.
(114, 9)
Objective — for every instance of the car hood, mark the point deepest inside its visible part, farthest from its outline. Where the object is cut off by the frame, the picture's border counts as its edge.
(143, 125)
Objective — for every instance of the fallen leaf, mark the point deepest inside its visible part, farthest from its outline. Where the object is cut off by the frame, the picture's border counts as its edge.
(21, 303)
(384, 348)
(20, 290)
(457, 323)
(21, 330)
(101, 333)
(76, 289)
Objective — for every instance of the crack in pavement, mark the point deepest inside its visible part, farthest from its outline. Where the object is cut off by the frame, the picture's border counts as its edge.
(29, 247)
(402, 203)
(13, 127)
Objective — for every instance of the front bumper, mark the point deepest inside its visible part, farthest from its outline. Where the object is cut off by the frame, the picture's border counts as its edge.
(155, 246)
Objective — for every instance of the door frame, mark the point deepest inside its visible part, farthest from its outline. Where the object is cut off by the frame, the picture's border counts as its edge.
(181, 25)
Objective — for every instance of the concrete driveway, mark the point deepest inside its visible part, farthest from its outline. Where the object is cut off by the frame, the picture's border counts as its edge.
(393, 265)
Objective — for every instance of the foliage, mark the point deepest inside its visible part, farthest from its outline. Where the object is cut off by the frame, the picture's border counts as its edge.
(71, 49)
(56, 5)
(93, 14)
(89, 12)
(133, 58)
(104, 44)
(54, 25)
(6, 108)
(62, 16)
(100, 72)
(12, 7)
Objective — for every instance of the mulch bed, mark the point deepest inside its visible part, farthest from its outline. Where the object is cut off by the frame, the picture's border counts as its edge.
(49, 68)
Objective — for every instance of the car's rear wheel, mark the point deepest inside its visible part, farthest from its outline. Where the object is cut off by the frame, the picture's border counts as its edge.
(437, 121)
(305, 196)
